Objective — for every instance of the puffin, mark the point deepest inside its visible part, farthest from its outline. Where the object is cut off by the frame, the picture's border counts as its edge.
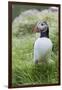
(43, 45)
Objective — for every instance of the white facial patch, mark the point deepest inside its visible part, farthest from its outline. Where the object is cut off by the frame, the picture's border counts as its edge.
(42, 26)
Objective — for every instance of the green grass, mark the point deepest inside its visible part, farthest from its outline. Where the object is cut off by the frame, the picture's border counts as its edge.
(24, 71)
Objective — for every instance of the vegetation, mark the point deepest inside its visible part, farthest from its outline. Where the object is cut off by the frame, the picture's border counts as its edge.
(24, 71)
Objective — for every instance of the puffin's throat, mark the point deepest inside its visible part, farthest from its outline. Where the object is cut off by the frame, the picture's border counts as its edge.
(44, 34)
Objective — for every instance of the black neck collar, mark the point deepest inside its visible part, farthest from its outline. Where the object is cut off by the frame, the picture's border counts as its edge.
(44, 34)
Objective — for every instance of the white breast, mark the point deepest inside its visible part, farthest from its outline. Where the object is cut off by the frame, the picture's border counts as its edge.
(42, 47)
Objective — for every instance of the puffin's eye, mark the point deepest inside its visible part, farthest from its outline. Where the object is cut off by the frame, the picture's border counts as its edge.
(42, 24)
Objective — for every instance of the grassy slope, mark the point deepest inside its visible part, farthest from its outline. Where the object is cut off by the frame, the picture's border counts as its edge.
(24, 71)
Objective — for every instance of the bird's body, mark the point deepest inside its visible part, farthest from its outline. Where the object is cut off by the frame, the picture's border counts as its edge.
(42, 49)
(43, 45)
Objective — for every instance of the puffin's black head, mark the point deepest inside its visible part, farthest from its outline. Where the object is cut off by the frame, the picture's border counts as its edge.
(43, 28)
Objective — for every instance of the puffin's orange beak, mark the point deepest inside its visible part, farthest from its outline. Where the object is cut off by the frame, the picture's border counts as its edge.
(35, 29)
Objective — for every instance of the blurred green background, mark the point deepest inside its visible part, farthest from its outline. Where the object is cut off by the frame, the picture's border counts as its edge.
(17, 9)
(24, 71)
